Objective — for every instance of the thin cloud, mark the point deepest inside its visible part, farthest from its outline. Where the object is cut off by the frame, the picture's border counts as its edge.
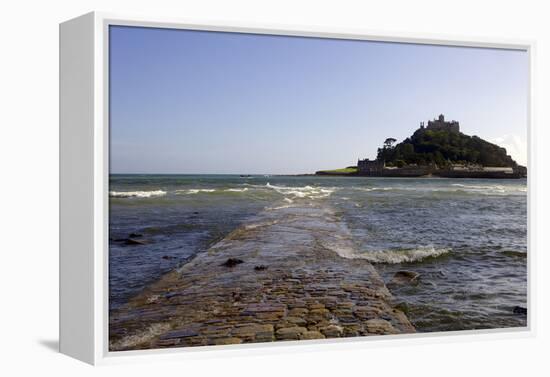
(515, 147)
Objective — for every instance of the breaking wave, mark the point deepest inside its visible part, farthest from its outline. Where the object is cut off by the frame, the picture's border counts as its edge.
(455, 187)
(209, 191)
(403, 255)
(369, 189)
(307, 192)
(136, 194)
(193, 191)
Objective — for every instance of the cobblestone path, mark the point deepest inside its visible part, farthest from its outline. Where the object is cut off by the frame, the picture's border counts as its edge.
(291, 274)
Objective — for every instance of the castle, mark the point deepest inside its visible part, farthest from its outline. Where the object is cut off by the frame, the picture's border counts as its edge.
(440, 124)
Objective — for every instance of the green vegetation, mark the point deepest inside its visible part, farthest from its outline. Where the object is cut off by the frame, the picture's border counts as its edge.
(441, 148)
(348, 170)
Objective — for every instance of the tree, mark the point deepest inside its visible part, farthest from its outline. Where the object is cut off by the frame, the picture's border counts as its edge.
(389, 142)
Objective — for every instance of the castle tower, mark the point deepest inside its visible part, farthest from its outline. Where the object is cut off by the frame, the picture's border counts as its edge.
(441, 118)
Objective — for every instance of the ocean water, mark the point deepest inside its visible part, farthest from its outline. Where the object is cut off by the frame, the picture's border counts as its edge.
(466, 238)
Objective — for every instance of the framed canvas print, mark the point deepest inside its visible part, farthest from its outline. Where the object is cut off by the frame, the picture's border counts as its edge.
(227, 187)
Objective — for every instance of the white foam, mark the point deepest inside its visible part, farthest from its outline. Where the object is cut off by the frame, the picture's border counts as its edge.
(237, 190)
(261, 224)
(491, 189)
(401, 256)
(307, 192)
(481, 188)
(136, 194)
(455, 187)
(377, 189)
(193, 191)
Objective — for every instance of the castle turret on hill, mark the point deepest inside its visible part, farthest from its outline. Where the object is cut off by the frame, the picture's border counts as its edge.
(440, 124)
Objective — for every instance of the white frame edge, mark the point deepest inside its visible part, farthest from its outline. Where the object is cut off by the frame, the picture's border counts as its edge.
(76, 177)
(84, 179)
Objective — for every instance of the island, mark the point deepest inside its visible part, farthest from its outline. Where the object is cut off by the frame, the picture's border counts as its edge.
(436, 149)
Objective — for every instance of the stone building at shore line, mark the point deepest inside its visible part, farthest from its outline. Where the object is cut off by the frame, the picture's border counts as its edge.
(370, 166)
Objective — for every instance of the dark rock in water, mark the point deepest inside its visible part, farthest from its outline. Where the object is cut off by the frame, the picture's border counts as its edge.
(260, 268)
(195, 213)
(404, 277)
(236, 296)
(520, 310)
(232, 262)
(131, 241)
(167, 257)
(135, 235)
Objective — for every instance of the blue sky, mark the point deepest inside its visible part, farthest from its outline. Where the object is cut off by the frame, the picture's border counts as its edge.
(208, 102)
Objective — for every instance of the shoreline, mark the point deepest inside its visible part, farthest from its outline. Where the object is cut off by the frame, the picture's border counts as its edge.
(290, 274)
(446, 174)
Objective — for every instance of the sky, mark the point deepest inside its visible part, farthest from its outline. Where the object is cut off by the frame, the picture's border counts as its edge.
(200, 102)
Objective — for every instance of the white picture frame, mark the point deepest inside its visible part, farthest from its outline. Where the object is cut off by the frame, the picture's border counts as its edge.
(84, 174)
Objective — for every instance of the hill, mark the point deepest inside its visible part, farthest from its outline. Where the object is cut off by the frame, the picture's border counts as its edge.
(443, 147)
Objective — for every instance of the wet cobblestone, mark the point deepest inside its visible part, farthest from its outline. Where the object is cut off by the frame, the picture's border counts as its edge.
(307, 290)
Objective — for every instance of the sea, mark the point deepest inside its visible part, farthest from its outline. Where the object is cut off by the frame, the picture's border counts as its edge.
(466, 238)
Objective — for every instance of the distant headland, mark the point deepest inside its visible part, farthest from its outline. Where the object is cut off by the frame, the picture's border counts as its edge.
(436, 149)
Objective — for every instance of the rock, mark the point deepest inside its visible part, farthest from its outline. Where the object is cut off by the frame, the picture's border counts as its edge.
(345, 305)
(321, 311)
(316, 305)
(297, 312)
(264, 337)
(404, 277)
(253, 331)
(167, 257)
(332, 331)
(366, 312)
(290, 333)
(379, 326)
(135, 235)
(131, 241)
(223, 341)
(519, 310)
(270, 316)
(297, 304)
(152, 299)
(402, 306)
(168, 342)
(312, 335)
(296, 321)
(236, 296)
(317, 315)
(194, 341)
(184, 333)
(214, 332)
(232, 262)
(350, 331)
(260, 268)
